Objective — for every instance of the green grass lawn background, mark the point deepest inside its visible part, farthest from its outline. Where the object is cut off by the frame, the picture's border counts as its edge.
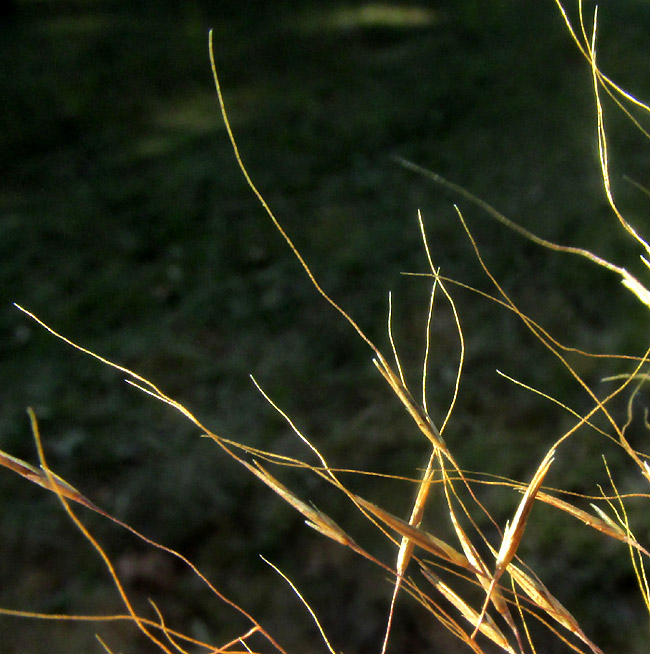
(126, 226)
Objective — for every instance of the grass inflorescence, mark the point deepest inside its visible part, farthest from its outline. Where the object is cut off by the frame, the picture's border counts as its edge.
(464, 567)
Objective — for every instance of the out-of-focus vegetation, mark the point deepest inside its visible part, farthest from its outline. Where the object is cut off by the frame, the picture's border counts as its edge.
(127, 226)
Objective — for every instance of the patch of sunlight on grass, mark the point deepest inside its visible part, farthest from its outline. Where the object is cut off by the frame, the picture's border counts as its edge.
(176, 121)
(372, 14)
(194, 114)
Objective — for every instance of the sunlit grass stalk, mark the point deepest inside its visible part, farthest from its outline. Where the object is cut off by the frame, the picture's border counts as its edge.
(462, 559)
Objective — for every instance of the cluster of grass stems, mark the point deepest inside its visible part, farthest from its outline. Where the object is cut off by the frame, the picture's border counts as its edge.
(436, 573)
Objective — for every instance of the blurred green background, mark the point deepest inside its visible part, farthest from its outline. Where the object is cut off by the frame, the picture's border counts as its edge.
(127, 226)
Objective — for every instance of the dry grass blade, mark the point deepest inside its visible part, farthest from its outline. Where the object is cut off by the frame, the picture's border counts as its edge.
(406, 546)
(58, 617)
(315, 519)
(500, 217)
(603, 524)
(271, 215)
(635, 557)
(483, 623)
(305, 602)
(532, 389)
(627, 279)
(543, 598)
(584, 49)
(456, 563)
(398, 365)
(142, 626)
(475, 559)
(46, 479)
(600, 405)
(49, 480)
(103, 644)
(419, 537)
(140, 382)
(602, 137)
(421, 419)
(443, 617)
(515, 530)
(438, 281)
(606, 519)
(154, 390)
(297, 431)
(166, 630)
(636, 374)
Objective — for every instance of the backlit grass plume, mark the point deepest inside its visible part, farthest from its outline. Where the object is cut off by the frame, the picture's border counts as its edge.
(472, 579)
